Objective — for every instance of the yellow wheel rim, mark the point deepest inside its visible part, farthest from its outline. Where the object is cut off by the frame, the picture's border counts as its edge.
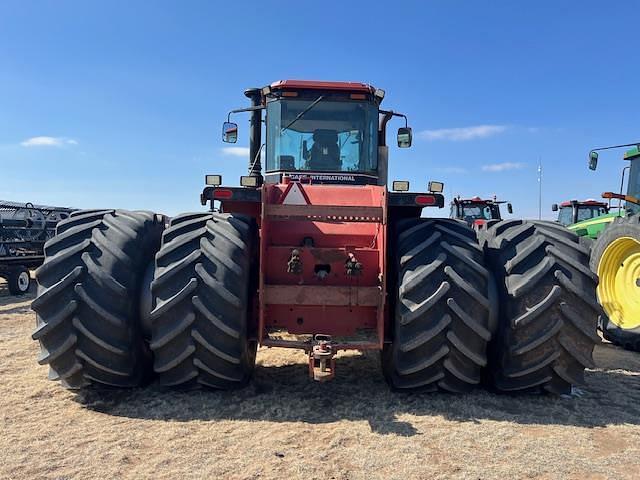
(619, 288)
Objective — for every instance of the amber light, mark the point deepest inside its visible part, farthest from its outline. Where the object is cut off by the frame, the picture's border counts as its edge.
(289, 94)
(222, 193)
(358, 96)
(425, 200)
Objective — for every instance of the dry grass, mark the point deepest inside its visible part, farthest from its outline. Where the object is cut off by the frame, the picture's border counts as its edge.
(285, 426)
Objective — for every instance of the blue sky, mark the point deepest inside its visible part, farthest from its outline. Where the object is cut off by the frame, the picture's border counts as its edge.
(130, 96)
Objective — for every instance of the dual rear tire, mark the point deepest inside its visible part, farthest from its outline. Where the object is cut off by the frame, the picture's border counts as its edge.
(516, 309)
(90, 324)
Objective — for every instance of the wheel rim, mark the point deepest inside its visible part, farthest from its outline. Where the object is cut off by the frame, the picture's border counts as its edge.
(619, 288)
(23, 281)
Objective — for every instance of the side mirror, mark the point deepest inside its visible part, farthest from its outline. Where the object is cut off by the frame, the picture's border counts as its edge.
(404, 137)
(593, 160)
(229, 132)
(554, 207)
(509, 208)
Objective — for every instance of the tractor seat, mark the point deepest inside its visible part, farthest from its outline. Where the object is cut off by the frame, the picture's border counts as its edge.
(325, 152)
(287, 162)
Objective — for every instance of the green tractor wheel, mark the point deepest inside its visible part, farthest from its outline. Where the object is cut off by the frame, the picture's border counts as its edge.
(616, 258)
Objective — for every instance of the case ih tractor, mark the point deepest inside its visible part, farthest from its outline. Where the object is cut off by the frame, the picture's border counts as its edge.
(574, 211)
(615, 255)
(476, 212)
(316, 254)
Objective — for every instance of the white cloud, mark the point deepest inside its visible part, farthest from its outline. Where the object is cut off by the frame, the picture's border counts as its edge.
(236, 151)
(501, 167)
(463, 133)
(48, 142)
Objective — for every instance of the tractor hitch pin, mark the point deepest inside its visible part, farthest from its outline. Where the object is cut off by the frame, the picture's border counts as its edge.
(353, 266)
(294, 265)
(322, 363)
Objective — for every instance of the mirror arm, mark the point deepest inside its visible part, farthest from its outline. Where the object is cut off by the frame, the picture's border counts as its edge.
(391, 113)
(636, 144)
(248, 109)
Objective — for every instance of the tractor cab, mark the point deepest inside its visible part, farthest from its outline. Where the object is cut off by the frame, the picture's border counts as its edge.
(477, 211)
(574, 211)
(632, 197)
(323, 132)
(633, 183)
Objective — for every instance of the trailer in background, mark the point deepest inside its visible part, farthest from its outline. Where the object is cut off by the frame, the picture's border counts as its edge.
(24, 229)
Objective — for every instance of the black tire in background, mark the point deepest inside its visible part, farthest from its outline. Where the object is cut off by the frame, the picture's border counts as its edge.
(628, 338)
(443, 314)
(19, 280)
(87, 301)
(200, 325)
(548, 308)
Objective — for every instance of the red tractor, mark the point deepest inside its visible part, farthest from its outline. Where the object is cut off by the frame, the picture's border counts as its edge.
(316, 254)
(476, 212)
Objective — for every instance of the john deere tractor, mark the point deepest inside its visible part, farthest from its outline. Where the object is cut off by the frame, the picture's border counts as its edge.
(574, 211)
(615, 256)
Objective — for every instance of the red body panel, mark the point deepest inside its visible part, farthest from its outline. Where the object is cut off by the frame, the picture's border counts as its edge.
(339, 220)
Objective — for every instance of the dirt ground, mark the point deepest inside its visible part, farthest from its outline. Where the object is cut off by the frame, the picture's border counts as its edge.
(285, 426)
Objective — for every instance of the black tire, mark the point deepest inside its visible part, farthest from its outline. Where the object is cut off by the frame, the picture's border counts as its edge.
(200, 326)
(548, 309)
(87, 302)
(444, 306)
(19, 281)
(628, 338)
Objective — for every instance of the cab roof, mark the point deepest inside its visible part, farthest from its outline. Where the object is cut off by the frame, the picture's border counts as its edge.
(354, 87)
(589, 202)
(479, 200)
(634, 152)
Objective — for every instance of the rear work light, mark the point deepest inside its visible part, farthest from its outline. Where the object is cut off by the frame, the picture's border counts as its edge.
(213, 180)
(435, 187)
(400, 186)
(425, 200)
(222, 194)
(246, 181)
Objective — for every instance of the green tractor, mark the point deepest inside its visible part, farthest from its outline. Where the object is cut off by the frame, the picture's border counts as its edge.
(615, 255)
(574, 211)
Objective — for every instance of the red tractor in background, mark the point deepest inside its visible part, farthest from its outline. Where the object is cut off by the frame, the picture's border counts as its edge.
(315, 254)
(476, 212)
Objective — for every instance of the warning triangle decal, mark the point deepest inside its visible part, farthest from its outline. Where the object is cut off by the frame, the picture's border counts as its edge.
(295, 195)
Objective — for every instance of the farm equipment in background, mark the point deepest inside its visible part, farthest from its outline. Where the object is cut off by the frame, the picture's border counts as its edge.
(476, 212)
(574, 211)
(615, 255)
(24, 228)
(315, 254)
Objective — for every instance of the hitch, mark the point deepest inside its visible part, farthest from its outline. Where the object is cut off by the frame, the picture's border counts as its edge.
(353, 266)
(294, 265)
(322, 363)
